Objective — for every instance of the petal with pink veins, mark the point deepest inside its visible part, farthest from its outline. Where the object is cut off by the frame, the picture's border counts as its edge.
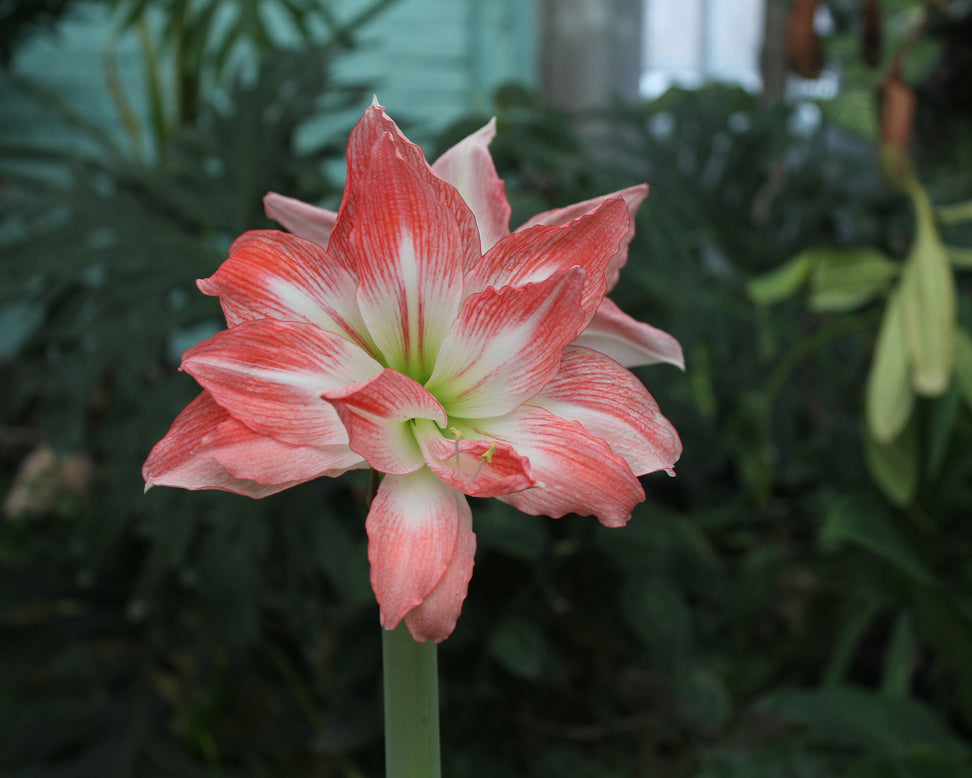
(177, 459)
(628, 341)
(469, 167)
(377, 414)
(375, 126)
(413, 527)
(479, 468)
(366, 132)
(612, 404)
(435, 618)
(575, 471)
(536, 253)
(410, 250)
(273, 275)
(633, 197)
(303, 219)
(253, 457)
(506, 344)
(270, 375)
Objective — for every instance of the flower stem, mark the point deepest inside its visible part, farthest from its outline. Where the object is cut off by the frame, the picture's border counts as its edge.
(411, 706)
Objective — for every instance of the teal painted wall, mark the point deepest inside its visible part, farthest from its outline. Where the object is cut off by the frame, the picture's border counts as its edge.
(429, 61)
(443, 58)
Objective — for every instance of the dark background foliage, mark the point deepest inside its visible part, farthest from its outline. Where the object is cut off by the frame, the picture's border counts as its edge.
(778, 609)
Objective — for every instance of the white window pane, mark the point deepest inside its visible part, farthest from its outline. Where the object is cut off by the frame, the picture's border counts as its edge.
(673, 34)
(735, 38)
(687, 42)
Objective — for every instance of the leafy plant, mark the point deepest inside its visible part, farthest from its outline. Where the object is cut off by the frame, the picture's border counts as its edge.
(773, 610)
(136, 629)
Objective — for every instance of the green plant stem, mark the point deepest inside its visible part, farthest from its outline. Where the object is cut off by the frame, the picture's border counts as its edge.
(411, 706)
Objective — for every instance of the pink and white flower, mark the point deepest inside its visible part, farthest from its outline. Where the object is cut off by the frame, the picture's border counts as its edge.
(412, 333)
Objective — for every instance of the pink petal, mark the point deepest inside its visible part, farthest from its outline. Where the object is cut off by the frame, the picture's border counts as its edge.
(413, 528)
(270, 375)
(479, 468)
(308, 221)
(469, 167)
(410, 250)
(273, 275)
(633, 197)
(376, 125)
(436, 617)
(576, 472)
(536, 253)
(253, 457)
(377, 414)
(627, 341)
(177, 459)
(373, 125)
(506, 344)
(612, 404)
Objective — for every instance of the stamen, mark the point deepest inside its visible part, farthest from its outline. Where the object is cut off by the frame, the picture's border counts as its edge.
(457, 434)
(486, 456)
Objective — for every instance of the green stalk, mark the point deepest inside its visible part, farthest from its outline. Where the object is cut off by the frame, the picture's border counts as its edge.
(411, 706)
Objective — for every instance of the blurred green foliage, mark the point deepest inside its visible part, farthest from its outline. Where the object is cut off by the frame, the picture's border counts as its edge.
(795, 603)
(20, 20)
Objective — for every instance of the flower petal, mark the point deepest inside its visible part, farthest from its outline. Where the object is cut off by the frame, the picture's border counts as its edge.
(253, 457)
(614, 405)
(376, 414)
(469, 167)
(303, 219)
(627, 341)
(375, 125)
(506, 344)
(273, 275)
(576, 471)
(412, 526)
(175, 460)
(479, 468)
(633, 197)
(270, 375)
(436, 617)
(410, 249)
(536, 253)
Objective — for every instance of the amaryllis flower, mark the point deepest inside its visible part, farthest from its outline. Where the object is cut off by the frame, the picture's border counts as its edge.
(413, 334)
(469, 167)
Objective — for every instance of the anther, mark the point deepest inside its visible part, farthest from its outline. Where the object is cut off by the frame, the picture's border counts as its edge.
(486, 456)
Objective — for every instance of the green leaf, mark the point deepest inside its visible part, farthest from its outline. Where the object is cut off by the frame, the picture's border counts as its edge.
(900, 659)
(944, 622)
(859, 718)
(928, 298)
(857, 614)
(658, 615)
(961, 258)
(510, 532)
(853, 109)
(866, 525)
(18, 321)
(955, 214)
(921, 763)
(846, 279)
(963, 365)
(889, 394)
(520, 647)
(705, 698)
(940, 429)
(783, 282)
(895, 465)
